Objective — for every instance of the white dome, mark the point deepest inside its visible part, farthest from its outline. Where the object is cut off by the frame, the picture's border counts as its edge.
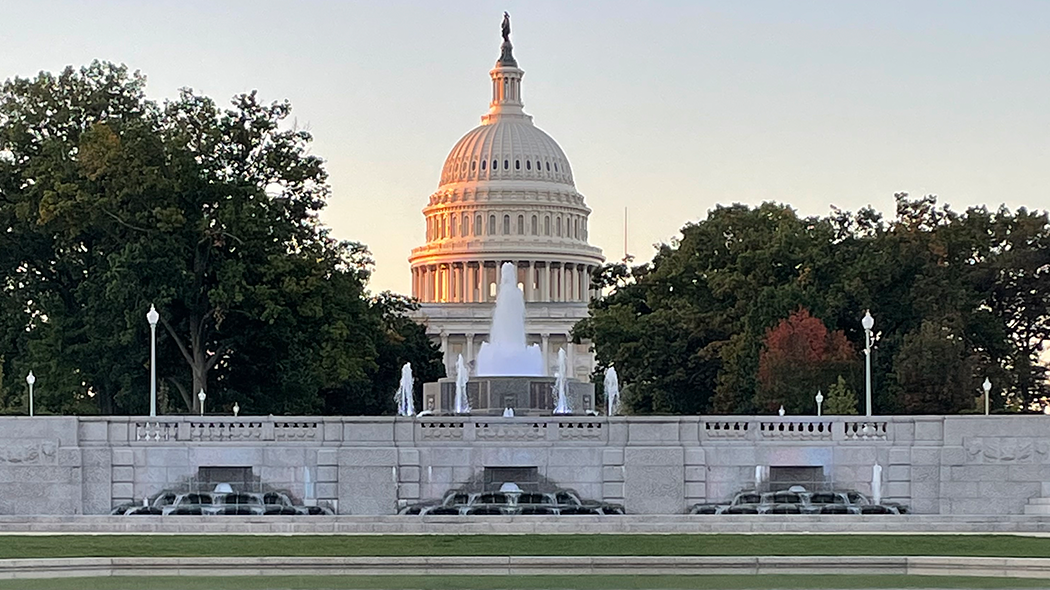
(506, 149)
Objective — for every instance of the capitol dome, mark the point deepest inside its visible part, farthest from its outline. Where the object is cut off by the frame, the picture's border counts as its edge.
(506, 149)
(506, 194)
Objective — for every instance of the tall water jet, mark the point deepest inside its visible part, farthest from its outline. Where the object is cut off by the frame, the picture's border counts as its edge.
(405, 404)
(506, 353)
(462, 403)
(560, 380)
(612, 392)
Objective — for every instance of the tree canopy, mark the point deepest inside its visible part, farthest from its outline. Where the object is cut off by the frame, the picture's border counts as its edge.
(755, 306)
(112, 202)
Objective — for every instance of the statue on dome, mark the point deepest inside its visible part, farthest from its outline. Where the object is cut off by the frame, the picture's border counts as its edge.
(506, 27)
(506, 50)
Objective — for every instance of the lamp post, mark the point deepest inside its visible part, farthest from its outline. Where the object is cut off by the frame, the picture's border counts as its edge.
(868, 322)
(202, 396)
(152, 317)
(30, 379)
(820, 400)
(987, 386)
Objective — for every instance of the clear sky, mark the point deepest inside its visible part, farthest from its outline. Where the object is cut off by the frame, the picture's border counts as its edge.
(667, 108)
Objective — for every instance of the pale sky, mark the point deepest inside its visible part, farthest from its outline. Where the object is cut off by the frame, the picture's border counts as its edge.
(667, 108)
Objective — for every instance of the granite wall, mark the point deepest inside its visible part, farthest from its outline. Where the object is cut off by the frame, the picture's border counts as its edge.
(937, 464)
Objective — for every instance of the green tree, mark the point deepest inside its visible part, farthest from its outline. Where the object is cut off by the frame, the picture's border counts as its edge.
(841, 400)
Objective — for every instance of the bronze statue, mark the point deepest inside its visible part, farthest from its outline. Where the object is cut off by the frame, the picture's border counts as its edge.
(506, 27)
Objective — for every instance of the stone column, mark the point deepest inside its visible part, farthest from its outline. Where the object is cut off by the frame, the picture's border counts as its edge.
(530, 282)
(545, 347)
(545, 282)
(462, 286)
(444, 349)
(483, 289)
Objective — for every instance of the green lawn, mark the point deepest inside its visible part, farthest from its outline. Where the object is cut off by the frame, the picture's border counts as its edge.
(516, 583)
(30, 546)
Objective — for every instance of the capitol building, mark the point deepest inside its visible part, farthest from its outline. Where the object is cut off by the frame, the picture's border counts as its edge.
(506, 194)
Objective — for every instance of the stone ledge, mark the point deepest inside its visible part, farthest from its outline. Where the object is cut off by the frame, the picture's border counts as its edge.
(523, 565)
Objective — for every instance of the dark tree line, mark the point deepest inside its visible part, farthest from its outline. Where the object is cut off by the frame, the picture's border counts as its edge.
(110, 202)
(956, 296)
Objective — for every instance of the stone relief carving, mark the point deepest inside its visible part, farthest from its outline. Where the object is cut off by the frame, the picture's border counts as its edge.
(29, 453)
(1006, 450)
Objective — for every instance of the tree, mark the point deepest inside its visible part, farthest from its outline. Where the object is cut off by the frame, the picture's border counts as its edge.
(935, 370)
(841, 400)
(800, 356)
(113, 202)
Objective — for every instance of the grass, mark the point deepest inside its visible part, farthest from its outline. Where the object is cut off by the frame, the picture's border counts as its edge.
(42, 546)
(517, 582)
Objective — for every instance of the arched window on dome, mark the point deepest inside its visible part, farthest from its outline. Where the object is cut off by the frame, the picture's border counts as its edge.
(535, 225)
(547, 225)
(483, 162)
(464, 225)
(521, 225)
(473, 165)
(557, 226)
(477, 225)
(555, 166)
(506, 225)
(495, 165)
(452, 226)
(548, 166)
(528, 164)
(506, 164)
(444, 226)
(517, 164)
(584, 227)
(492, 225)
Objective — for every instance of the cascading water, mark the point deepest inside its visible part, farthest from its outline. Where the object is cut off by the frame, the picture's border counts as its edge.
(405, 404)
(876, 483)
(612, 392)
(562, 405)
(462, 404)
(506, 354)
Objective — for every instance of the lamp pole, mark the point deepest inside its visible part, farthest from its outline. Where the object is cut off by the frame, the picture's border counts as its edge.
(30, 379)
(868, 322)
(152, 317)
(201, 396)
(987, 386)
(820, 400)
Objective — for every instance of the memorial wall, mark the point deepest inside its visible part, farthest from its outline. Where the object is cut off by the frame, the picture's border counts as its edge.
(658, 465)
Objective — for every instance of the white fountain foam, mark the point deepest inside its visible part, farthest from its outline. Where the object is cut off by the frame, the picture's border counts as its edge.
(405, 404)
(506, 354)
(462, 403)
(612, 392)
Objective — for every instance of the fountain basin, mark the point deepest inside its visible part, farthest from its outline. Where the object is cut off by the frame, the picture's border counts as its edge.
(490, 396)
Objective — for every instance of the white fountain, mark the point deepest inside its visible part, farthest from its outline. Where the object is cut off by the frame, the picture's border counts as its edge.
(612, 392)
(561, 405)
(506, 353)
(405, 405)
(462, 405)
(876, 483)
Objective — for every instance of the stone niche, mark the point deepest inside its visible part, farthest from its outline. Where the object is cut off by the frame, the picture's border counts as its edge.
(527, 396)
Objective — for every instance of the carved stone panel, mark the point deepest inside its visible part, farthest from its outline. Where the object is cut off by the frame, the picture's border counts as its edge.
(1003, 449)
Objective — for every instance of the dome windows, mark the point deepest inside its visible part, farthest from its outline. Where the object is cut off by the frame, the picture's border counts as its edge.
(483, 162)
(492, 225)
(521, 225)
(528, 164)
(517, 164)
(506, 164)
(535, 226)
(548, 166)
(477, 222)
(506, 225)
(473, 165)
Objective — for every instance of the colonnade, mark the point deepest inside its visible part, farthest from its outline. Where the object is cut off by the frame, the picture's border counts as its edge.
(476, 281)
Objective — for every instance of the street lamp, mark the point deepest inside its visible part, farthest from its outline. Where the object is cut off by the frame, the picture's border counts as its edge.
(820, 400)
(987, 386)
(201, 396)
(152, 317)
(868, 322)
(30, 379)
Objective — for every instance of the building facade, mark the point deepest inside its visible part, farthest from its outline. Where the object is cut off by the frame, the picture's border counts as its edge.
(506, 194)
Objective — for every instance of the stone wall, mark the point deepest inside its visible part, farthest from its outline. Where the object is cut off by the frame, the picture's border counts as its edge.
(937, 464)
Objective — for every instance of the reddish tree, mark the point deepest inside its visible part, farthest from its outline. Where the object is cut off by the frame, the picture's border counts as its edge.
(800, 356)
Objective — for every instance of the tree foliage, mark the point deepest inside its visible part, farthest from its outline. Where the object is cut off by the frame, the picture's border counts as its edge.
(688, 331)
(112, 202)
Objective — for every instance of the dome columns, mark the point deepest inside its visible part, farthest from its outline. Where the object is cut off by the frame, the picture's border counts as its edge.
(473, 281)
